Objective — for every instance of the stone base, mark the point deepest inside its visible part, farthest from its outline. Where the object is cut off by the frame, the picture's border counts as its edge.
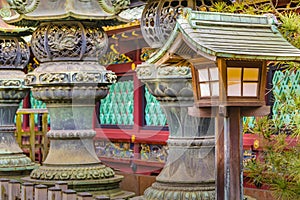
(16, 165)
(180, 191)
(72, 173)
(108, 187)
(16, 171)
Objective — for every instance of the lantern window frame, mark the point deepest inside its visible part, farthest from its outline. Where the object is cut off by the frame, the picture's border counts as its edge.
(224, 98)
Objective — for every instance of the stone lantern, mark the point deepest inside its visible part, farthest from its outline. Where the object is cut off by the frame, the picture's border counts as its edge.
(68, 42)
(14, 56)
(189, 172)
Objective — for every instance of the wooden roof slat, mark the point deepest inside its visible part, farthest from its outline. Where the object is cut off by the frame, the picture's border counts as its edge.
(248, 41)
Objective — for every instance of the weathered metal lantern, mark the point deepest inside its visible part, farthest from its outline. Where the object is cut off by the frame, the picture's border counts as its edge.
(14, 56)
(68, 42)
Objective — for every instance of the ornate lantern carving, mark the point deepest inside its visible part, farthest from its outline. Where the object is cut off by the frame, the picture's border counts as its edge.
(14, 53)
(69, 41)
(159, 19)
(14, 56)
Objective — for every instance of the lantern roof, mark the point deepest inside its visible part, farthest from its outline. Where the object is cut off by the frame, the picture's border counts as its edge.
(30, 13)
(222, 35)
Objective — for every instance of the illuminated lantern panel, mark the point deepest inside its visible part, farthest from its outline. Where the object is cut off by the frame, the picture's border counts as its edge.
(242, 81)
(230, 82)
(209, 82)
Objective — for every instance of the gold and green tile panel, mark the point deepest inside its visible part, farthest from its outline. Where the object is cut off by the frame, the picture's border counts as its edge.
(117, 107)
(154, 115)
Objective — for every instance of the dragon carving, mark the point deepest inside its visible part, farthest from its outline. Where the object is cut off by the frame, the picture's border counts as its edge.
(116, 6)
(23, 6)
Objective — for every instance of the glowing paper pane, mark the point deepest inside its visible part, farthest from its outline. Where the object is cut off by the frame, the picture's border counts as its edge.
(250, 74)
(204, 89)
(203, 75)
(250, 89)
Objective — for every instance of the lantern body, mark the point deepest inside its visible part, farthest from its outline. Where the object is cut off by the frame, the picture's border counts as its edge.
(230, 83)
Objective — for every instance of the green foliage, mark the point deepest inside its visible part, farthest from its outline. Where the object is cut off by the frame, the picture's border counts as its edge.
(290, 27)
(241, 8)
(279, 164)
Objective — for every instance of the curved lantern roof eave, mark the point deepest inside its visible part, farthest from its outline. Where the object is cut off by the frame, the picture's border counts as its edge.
(22, 20)
(44, 11)
(9, 30)
(211, 35)
(16, 31)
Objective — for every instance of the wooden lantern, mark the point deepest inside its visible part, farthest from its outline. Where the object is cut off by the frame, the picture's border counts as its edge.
(230, 83)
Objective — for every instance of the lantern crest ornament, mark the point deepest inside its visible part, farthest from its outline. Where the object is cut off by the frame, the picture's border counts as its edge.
(68, 42)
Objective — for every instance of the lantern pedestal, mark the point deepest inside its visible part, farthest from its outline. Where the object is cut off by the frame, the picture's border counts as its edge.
(12, 90)
(190, 169)
(70, 92)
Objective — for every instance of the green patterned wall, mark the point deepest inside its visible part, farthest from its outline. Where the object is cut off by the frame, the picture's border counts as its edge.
(117, 107)
(154, 115)
(286, 98)
(36, 104)
(286, 91)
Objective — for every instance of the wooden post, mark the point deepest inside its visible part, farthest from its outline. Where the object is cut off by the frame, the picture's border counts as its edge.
(220, 170)
(138, 111)
(84, 196)
(14, 191)
(19, 129)
(63, 185)
(235, 149)
(27, 191)
(26, 104)
(54, 193)
(229, 155)
(45, 139)
(3, 188)
(102, 198)
(69, 195)
(40, 192)
(32, 137)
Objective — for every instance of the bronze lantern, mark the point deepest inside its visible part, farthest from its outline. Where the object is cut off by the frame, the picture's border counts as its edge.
(68, 42)
(14, 57)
